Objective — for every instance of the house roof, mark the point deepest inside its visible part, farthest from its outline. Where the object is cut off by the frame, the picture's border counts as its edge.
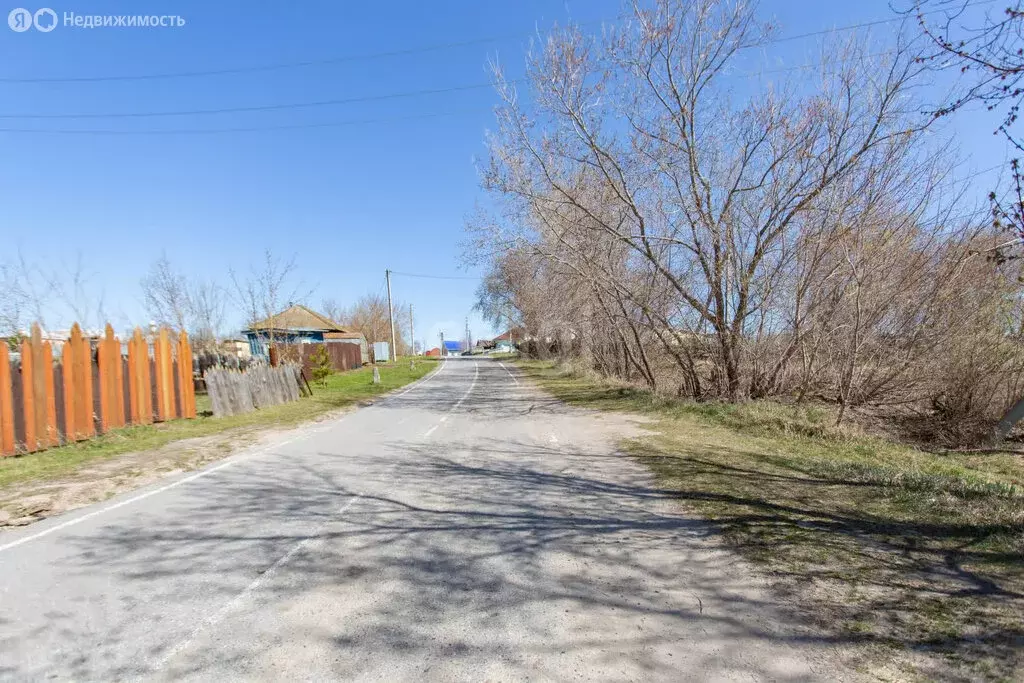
(516, 333)
(452, 345)
(298, 317)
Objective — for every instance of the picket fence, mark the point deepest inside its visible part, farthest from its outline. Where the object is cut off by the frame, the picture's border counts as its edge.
(234, 392)
(47, 401)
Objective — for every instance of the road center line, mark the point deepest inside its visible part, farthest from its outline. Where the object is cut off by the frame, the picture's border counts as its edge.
(444, 418)
(219, 615)
(514, 378)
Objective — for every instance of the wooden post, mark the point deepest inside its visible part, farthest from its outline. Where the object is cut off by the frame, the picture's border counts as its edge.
(28, 396)
(185, 380)
(110, 378)
(69, 376)
(166, 408)
(140, 389)
(146, 378)
(40, 395)
(106, 374)
(85, 425)
(6, 403)
(134, 413)
(52, 435)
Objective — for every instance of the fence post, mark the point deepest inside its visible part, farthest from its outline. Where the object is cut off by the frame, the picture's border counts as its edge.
(85, 425)
(111, 397)
(28, 396)
(6, 403)
(40, 392)
(185, 380)
(53, 438)
(70, 414)
(134, 413)
(166, 409)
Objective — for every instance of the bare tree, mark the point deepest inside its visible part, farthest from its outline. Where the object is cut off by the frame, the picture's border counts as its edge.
(14, 300)
(800, 240)
(268, 288)
(332, 309)
(370, 316)
(208, 304)
(988, 51)
(165, 293)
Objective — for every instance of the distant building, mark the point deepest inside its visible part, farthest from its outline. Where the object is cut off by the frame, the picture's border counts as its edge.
(433, 353)
(504, 346)
(452, 348)
(300, 325)
(236, 348)
(514, 335)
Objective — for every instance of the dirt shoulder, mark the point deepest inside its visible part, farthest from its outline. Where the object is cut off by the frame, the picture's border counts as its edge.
(25, 502)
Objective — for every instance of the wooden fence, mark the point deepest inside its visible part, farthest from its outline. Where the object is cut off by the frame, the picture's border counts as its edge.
(343, 355)
(91, 388)
(233, 392)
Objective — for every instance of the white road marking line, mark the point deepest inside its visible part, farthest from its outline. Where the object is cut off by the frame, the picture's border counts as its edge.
(168, 487)
(217, 616)
(417, 384)
(306, 433)
(514, 379)
(444, 418)
(472, 384)
(129, 501)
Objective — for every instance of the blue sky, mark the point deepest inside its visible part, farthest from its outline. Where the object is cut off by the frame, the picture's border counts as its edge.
(391, 191)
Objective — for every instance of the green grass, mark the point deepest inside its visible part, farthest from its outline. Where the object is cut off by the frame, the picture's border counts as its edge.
(891, 546)
(342, 389)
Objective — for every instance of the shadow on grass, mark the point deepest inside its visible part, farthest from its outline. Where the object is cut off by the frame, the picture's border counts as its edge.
(913, 569)
(922, 560)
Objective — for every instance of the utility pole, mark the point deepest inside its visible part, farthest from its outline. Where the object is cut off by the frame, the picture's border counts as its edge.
(412, 335)
(444, 352)
(391, 315)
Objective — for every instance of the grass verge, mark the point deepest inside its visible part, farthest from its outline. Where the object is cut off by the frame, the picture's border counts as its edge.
(916, 555)
(342, 389)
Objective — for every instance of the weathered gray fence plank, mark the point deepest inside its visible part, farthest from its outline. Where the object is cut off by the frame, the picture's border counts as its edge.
(233, 392)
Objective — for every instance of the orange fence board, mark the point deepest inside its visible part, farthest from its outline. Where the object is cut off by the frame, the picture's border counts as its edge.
(186, 384)
(165, 408)
(52, 433)
(82, 369)
(111, 392)
(67, 360)
(172, 381)
(134, 377)
(27, 396)
(6, 403)
(40, 395)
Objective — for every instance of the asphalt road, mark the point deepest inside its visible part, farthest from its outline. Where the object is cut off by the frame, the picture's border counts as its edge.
(468, 528)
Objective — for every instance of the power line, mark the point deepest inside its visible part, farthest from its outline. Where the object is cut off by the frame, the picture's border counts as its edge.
(257, 68)
(434, 277)
(866, 24)
(249, 129)
(260, 108)
(261, 68)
